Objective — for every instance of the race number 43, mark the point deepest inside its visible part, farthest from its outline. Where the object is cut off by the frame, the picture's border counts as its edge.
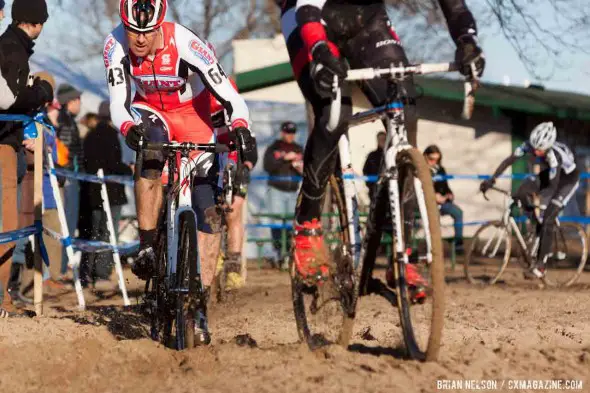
(115, 76)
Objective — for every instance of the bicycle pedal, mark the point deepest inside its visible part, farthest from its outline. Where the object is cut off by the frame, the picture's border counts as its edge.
(202, 337)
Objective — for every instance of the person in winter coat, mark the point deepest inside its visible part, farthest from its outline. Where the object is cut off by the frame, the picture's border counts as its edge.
(101, 150)
(284, 158)
(18, 95)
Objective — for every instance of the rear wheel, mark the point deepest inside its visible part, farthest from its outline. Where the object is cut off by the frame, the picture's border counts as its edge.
(421, 318)
(488, 254)
(570, 251)
(324, 313)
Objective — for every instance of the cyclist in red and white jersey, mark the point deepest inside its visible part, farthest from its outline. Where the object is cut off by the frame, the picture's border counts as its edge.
(173, 72)
(232, 260)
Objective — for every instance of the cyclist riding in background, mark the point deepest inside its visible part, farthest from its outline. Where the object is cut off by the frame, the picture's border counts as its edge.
(320, 35)
(558, 181)
(173, 71)
(235, 227)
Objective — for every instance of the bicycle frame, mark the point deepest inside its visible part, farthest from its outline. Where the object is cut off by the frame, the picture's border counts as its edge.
(350, 198)
(177, 204)
(397, 141)
(509, 224)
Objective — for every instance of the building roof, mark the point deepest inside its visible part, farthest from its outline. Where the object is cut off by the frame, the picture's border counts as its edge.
(529, 100)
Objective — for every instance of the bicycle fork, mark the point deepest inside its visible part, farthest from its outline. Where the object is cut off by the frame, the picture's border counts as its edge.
(350, 198)
(392, 177)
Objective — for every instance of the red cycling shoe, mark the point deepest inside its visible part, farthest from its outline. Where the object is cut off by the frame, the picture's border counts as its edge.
(310, 254)
(416, 283)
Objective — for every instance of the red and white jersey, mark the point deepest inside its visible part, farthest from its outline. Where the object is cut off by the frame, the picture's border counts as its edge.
(180, 75)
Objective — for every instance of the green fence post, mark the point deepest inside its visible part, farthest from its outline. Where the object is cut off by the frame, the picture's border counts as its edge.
(260, 246)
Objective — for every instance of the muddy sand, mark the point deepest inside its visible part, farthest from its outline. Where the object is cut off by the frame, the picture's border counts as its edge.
(511, 331)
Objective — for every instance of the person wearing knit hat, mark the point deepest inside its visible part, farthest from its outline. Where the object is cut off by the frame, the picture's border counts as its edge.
(67, 93)
(16, 47)
(30, 11)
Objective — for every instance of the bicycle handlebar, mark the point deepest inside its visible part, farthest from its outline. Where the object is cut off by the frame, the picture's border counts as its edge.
(174, 147)
(399, 73)
(187, 146)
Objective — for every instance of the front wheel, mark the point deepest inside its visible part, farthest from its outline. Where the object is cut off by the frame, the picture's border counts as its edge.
(568, 258)
(325, 312)
(421, 317)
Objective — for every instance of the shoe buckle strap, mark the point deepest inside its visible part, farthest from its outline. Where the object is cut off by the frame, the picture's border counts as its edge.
(309, 232)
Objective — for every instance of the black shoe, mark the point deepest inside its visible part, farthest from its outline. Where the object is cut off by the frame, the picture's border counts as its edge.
(17, 299)
(143, 265)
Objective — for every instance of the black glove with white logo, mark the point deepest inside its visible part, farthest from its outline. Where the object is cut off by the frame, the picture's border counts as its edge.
(245, 140)
(134, 135)
(468, 52)
(325, 66)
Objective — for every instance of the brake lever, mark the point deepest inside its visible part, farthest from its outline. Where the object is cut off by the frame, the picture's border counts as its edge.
(138, 160)
(335, 107)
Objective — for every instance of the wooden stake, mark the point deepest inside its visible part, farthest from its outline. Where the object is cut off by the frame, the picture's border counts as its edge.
(588, 200)
(38, 200)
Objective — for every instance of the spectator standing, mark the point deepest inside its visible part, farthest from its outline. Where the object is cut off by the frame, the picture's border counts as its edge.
(373, 162)
(17, 96)
(444, 196)
(88, 122)
(69, 135)
(102, 150)
(283, 158)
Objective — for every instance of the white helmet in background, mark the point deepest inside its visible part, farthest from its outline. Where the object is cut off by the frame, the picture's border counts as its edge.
(543, 136)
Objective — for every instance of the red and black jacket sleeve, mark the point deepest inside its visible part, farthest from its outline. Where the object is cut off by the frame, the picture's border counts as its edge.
(309, 16)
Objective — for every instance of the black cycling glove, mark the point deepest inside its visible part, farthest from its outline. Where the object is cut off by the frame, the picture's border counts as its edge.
(325, 66)
(245, 140)
(468, 52)
(487, 184)
(134, 135)
(218, 119)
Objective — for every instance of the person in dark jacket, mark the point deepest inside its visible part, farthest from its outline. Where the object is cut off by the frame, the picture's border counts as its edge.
(102, 150)
(444, 196)
(69, 135)
(18, 95)
(373, 162)
(283, 158)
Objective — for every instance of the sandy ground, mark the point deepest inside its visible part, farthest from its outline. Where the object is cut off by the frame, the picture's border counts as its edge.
(510, 331)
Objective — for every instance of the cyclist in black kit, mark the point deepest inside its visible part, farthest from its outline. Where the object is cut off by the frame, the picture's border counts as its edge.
(558, 181)
(320, 35)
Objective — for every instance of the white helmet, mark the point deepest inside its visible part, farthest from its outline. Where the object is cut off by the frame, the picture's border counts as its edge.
(543, 136)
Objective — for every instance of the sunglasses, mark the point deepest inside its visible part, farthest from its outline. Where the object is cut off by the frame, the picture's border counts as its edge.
(136, 33)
